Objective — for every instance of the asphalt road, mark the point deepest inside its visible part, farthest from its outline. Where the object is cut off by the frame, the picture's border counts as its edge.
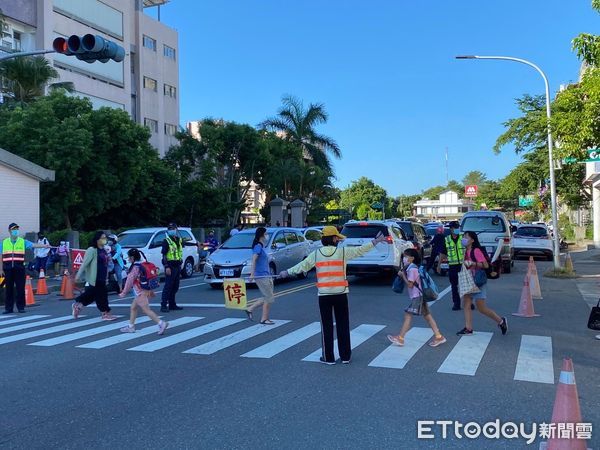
(93, 390)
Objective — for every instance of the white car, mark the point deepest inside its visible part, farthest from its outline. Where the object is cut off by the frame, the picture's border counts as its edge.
(533, 240)
(385, 258)
(149, 242)
(492, 229)
(313, 237)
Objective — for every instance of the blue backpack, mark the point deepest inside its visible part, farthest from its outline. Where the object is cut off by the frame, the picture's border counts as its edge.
(428, 287)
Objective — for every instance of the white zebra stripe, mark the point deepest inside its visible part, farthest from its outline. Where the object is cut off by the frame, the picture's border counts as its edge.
(284, 342)
(396, 357)
(357, 336)
(22, 319)
(465, 357)
(534, 362)
(36, 324)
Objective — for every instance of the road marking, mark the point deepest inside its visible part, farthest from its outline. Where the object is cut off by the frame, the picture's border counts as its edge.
(185, 305)
(186, 335)
(36, 324)
(440, 296)
(466, 355)
(283, 343)
(51, 330)
(234, 338)
(534, 362)
(124, 337)
(357, 336)
(83, 334)
(396, 357)
(23, 319)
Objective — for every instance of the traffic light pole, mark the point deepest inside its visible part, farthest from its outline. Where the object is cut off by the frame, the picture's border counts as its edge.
(33, 53)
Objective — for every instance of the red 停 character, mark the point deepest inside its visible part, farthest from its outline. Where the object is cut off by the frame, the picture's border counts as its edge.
(235, 293)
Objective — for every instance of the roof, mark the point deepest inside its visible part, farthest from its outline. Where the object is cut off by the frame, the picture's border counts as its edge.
(25, 167)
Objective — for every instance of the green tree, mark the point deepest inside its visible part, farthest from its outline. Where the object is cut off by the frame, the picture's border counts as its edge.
(26, 78)
(101, 159)
(362, 192)
(297, 124)
(474, 177)
(587, 46)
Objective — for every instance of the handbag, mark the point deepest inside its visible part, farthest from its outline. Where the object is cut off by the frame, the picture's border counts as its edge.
(398, 285)
(594, 320)
(480, 277)
(466, 284)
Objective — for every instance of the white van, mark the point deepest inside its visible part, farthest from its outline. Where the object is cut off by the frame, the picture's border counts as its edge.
(149, 241)
(493, 229)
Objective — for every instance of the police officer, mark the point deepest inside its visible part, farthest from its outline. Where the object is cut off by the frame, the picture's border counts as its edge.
(454, 254)
(12, 263)
(172, 259)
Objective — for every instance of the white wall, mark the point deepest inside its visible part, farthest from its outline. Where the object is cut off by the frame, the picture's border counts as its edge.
(21, 204)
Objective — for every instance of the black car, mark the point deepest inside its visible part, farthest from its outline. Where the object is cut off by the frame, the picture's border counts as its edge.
(416, 233)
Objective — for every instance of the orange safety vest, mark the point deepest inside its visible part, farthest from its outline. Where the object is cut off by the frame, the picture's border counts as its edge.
(331, 273)
(13, 252)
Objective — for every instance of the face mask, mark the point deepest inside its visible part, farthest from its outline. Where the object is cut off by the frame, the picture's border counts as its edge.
(14, 233)
(455, 231)
(405, 261)
(171, 232)
(465, 241)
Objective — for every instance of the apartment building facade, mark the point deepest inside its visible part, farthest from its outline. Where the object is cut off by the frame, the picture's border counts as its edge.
(145, 83)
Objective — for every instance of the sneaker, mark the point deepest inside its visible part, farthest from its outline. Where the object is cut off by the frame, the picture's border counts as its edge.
(503, 326)
(162, 326)
(346, 362)
(465, 332)
(329, 363)
(76, 310)
(128, 329)
(164, 309)
(108, 316)
(396, 340)
(437, 341)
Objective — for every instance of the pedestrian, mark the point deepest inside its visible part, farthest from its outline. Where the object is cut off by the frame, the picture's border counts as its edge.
(239, 227)
(475, 259)
(278, 224)
(454, 254)
(417, 306)
(172, 259)
(437, 247)
(94, 269)
(330, 262)
(117, 258)
(135, 276)
(12, 268)
(41, 253)
(63, 258)
(261, 275)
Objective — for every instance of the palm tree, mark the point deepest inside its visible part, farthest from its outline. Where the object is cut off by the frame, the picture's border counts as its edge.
(297, 124)
(25, 78)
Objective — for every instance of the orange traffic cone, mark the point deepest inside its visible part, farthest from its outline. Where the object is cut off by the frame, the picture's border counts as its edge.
(526, 305)
(534, 281)
(63, 284)
(42, 288)
(68, 294)
(566, 410)
(29, 297)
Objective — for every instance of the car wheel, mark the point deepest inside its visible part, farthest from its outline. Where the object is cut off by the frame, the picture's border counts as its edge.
(188, 268)
(507, 267)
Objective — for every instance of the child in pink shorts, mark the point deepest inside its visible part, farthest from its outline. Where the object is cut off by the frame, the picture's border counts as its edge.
(142, 296)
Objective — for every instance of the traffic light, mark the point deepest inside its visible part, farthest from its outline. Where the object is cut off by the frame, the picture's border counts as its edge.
(89, 48)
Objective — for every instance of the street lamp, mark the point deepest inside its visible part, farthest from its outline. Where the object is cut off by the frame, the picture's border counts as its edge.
(553, 202)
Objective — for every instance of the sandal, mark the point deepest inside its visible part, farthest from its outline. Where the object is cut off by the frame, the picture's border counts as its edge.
(249, 314)
(267, 322)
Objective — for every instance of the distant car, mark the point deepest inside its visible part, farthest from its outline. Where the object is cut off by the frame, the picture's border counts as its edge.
(313, 237)
(533, 240)
(417, 234)
(493, 229)
(286, 248)
(149, 241)
(385, 258)
(544, 224)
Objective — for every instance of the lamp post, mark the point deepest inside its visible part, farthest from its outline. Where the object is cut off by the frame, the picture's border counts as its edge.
(553, 202)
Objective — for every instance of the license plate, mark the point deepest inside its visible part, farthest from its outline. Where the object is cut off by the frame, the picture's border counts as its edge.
(532, 240)
(226, 272)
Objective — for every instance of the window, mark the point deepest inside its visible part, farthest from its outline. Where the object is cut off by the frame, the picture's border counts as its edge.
(185, 236)
(149, 42)
(532, 232)
(170, 130)
(170, 91)
(279, 239)
(152, 124)
(150, 83)
(313, 235)
(158, 239)
(169, 52)
(291, 238)
(364, 231)
(483, 224)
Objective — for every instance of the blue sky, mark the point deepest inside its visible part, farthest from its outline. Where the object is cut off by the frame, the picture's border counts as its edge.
(384, 69)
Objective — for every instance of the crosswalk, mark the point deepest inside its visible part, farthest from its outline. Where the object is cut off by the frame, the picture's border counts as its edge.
(534, 362)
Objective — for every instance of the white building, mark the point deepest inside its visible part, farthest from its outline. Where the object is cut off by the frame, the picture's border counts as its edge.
(447, 206)
(145, 83)
(20, 182)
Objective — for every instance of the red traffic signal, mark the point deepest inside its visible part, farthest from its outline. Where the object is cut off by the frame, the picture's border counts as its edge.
(89, 48)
